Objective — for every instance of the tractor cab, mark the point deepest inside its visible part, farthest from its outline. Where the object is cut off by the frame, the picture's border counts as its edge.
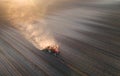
(54, 50)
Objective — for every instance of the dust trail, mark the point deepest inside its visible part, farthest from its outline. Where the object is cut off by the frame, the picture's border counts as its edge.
(27, 16)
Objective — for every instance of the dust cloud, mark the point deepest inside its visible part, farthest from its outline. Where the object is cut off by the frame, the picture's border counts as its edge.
(28, 17)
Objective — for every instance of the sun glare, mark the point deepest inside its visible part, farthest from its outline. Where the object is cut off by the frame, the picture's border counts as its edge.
(23, 2)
